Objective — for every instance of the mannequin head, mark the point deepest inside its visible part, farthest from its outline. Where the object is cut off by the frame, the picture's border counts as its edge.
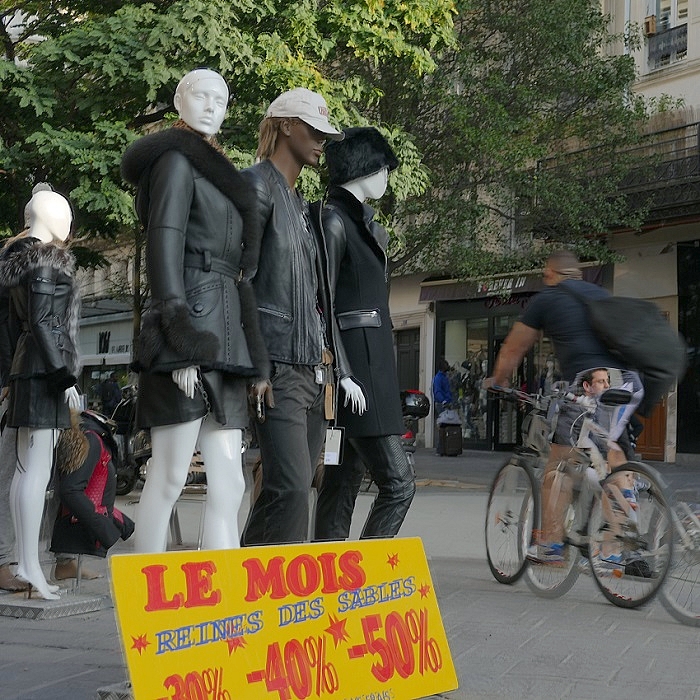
(296, 121)
(49, 216)
(370, 187)
(201, 99)
(361, 162)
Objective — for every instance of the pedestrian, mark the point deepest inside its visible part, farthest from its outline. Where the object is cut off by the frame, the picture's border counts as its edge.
(110, 394)
(372, 421)
(291, 286)
(442, 394)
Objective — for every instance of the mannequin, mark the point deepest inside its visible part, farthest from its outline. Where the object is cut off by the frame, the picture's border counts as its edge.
(359, 168)
(200, 339)
(291, 286)
(38, 270)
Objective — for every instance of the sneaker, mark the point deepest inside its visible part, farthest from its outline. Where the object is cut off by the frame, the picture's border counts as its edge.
(552, 554)
(611, 561)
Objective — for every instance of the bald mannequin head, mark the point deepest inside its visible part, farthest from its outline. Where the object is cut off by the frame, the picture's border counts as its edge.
(201, 99)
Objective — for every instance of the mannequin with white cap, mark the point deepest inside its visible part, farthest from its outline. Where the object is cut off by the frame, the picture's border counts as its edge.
(358, 167)
(291, 286)
(42, 364)
(199, 340)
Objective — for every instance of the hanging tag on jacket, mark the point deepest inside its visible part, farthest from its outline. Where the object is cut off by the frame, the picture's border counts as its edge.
(333, 454)
(328, 404)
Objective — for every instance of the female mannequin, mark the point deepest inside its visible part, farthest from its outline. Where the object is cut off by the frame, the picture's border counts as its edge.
(200, 338)
(359, 168)
(38, 271)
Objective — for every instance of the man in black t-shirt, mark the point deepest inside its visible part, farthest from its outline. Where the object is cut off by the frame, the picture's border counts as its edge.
(563, 318)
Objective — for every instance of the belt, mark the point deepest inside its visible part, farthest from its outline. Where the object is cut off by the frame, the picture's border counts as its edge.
(205, 261)
(367, 318)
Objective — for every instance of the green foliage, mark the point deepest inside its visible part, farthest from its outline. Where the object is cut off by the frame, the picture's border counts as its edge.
(526, 80)
(105, 71)
(477, 97)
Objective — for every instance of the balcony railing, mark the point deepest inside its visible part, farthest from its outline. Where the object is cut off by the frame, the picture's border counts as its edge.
(668, 45)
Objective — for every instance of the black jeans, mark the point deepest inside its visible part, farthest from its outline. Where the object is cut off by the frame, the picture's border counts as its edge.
(388, 464)
(290, 439)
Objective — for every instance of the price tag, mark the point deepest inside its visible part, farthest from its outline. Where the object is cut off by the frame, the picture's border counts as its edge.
(333, 453)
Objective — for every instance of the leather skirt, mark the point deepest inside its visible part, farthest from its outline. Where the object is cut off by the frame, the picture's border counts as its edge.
(161, 402)
(32, 404)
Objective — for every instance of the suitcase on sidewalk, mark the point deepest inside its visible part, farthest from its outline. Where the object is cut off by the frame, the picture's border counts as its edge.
(449, 440)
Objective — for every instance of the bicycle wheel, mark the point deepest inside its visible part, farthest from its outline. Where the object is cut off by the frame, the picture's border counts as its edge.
(630, 535)
(508, 521)
(549, 580)
(680, 594)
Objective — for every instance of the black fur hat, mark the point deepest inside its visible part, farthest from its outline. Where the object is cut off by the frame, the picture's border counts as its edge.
(363, 151)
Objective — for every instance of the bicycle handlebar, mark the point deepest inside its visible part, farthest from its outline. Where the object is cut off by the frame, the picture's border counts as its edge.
(588, 403)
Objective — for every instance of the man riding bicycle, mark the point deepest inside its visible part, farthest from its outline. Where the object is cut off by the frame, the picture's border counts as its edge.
(563, 318)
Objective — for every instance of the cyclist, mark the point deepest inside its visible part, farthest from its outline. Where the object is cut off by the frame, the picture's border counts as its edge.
(563, 318)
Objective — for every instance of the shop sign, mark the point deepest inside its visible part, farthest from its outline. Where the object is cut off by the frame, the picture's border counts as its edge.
(501, 287)
(346, 620)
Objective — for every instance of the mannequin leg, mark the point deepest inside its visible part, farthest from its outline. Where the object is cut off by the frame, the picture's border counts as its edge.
(336, 497)
(392, 472)
(172, 449)
(221, 452)
(35, 457)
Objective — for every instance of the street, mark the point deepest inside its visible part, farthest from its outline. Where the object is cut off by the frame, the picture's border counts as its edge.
(506, 642)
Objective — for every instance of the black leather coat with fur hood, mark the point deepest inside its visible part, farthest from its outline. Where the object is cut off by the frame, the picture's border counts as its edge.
(202, 239)
(43, 315)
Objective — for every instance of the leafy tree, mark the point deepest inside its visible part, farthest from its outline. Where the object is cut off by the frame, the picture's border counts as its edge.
(81, 80)
(523, 130)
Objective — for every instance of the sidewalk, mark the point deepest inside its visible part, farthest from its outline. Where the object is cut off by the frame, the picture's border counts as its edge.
(506, 642)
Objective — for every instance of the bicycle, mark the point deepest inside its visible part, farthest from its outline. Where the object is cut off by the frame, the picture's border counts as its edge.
(680, 594)
(600, 523)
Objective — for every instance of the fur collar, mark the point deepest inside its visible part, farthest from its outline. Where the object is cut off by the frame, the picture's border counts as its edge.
(23, 255)
(26, 254)
(208, 161)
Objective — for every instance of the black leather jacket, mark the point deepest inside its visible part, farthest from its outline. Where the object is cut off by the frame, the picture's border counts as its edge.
(287, 302)
(43, 313)
(201, 243)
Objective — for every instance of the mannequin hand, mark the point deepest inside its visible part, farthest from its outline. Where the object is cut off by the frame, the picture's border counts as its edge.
(72, 398)
(261, 390)
(186, 380)
(354, 396)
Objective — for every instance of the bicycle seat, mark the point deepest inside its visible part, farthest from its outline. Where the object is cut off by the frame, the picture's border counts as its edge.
(615, 397)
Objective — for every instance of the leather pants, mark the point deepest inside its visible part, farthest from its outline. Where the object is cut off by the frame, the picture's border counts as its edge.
(388, 464)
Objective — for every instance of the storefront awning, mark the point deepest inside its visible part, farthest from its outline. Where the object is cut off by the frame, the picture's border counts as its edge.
(494, 286)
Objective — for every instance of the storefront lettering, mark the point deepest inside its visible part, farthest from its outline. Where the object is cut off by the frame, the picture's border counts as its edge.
(503, 287)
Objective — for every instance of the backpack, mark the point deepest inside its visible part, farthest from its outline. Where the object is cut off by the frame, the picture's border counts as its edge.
(636, 332)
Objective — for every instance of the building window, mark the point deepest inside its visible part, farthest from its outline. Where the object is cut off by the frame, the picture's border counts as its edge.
(668, 42)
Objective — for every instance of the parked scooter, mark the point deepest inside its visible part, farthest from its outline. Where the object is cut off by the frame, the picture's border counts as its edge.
(414, 406)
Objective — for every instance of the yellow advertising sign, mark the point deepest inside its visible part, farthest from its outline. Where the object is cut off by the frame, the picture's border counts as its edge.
(347, 620)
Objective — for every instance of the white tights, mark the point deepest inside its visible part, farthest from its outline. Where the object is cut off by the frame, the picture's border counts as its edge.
(27, 497)
(172, 450)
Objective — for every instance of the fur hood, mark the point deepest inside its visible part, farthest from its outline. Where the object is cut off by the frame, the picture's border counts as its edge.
(22, 255)
(212, 164)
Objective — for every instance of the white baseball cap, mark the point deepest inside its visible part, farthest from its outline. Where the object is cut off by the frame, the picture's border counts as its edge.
(306, 105)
